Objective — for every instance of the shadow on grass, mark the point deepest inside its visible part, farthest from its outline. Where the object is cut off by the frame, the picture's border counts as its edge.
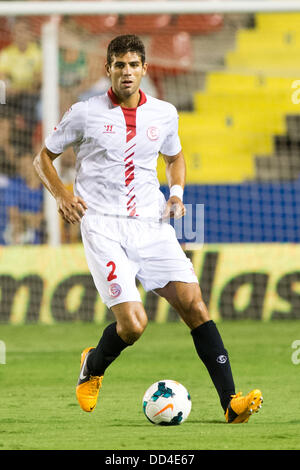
(193, 422)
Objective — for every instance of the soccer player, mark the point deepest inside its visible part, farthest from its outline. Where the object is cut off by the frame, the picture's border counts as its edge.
(117, 138)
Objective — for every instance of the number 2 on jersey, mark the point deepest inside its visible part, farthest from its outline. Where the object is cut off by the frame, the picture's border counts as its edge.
(112, 274)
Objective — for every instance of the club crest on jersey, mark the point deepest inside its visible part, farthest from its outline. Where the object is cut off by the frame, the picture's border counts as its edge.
(114, 290)
(108, 129)
(153, 133)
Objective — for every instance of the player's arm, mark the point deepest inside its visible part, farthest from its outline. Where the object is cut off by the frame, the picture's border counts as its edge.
(71, 207)
(175, 172)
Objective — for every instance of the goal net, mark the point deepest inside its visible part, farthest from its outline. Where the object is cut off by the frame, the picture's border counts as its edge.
(234, 77)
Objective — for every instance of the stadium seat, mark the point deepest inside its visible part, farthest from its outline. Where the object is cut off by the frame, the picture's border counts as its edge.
(217, 150)
(97, 24)
(252, 96)
(199, 24)
(284, 163)
(237, 117)
(264, 61)
(144, 24)
(223, 81)
(278, 22)
(5, 33)
(271, 48)
(170, 53)
(149, 24)
(248, 102)
(252, 39)
(35, 24)
(212, 167)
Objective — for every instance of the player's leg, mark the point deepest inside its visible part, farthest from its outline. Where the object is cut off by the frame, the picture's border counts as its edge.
(114, 277)
(170, 273)
(186, 298)
(131, 321)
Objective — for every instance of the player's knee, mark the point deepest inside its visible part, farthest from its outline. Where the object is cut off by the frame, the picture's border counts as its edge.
(194, 312)
(198, 310)
(131, 335)
(133, 329)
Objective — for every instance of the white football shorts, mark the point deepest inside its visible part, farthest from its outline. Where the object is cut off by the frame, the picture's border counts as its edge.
(121, 250)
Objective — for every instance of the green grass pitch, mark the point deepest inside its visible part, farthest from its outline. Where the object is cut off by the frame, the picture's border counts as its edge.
(39, 410)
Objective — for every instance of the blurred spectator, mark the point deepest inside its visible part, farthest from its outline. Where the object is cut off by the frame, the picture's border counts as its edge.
(5, 31)
(20, 62)
(20, 68)
(37, 138)
(7, 151)
(75, 62)
(21, 134)
(4, 182)
(7, 168)
(24, 206)
(72, 66)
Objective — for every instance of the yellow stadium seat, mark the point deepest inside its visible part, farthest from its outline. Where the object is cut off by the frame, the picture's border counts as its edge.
(250, 103)
(267, 40)
(229, 82)
(227, 142)
(261, 61)
(245, 105)
(203, 169)
(278, 21)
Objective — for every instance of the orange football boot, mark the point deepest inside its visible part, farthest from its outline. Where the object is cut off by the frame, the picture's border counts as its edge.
(88, 386)
(241, 408)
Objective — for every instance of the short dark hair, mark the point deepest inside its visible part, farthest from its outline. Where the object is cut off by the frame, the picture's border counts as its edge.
(120, 45)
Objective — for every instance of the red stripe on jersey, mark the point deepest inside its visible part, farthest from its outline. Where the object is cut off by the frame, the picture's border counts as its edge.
(132, 213)
(129, 170)
(131, 155)
(130, 191)
(130, 148)
(128, 164)
(129, 178)
(130, 200)
(130, 119)
(133, 206)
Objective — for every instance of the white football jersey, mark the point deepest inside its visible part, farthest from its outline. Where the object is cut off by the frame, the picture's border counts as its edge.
(116, 152)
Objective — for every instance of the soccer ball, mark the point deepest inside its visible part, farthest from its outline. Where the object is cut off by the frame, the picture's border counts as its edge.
(167, 402)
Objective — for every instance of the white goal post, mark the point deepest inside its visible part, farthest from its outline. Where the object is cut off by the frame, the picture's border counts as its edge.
(147, 7)
(49, 42)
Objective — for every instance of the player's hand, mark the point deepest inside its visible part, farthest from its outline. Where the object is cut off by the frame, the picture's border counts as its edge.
(174, 208)
(71, 208)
